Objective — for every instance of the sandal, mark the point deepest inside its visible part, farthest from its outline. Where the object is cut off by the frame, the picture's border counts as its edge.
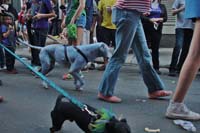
(160, 93)
(112, 99)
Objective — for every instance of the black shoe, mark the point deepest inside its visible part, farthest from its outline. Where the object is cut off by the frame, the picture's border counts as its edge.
(158, 72)
(172, 73)
(0, 82)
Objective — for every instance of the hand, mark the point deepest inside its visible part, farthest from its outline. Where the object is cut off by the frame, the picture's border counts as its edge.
(10, 27)
(37, 16)
(146, 13)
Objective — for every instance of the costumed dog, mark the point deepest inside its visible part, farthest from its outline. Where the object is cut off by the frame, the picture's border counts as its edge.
(66, 110)
(74, 57)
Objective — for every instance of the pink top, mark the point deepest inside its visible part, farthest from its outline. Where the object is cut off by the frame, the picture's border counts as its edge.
(139, 5)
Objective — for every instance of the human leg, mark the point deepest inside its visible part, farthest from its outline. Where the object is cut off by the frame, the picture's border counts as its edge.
(155, 49)
(188, 33)
(2, 57)
(151, 79)
(176, 108)
(1, 99)
(176, 51)
(125, 33)
(10, 61)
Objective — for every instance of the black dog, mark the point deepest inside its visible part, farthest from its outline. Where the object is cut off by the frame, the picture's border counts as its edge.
(65, 110)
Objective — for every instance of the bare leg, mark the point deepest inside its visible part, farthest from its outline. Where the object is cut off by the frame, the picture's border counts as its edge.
(177, 109)
(190, 66)
(79, 35)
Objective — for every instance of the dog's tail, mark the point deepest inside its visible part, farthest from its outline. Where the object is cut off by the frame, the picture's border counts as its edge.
(20, 41)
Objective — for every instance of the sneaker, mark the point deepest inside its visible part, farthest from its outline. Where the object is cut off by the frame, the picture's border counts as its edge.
(112, 99)
(81, 74)
(2, 68)
(37, 68)
(1, 99)
(160, 93)
(180, 111)
(67, 76)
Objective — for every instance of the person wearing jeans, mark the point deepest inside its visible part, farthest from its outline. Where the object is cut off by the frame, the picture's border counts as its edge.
(126, 15)
(1, 98)
(182, 36)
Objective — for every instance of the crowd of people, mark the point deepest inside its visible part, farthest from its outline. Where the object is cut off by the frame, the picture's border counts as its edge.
(121, 24)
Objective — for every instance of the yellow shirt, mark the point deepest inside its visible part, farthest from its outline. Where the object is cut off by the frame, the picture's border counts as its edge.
(107, 16)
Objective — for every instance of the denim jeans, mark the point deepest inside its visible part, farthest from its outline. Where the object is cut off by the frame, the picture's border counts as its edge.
(2, 61)
(129, 33)
(177, 48)
(39, 39)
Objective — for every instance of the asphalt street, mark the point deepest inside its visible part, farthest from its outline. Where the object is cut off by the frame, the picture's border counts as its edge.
(27, 104)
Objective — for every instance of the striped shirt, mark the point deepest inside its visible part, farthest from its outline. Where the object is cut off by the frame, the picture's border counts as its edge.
(139, 5)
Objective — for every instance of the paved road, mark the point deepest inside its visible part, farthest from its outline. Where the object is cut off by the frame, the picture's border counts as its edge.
(27, 106)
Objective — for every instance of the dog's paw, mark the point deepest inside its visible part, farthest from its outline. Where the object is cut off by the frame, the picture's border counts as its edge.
(45, 85)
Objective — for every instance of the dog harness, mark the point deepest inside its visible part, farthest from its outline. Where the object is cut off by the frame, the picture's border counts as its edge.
(65, 51)
(81, 53)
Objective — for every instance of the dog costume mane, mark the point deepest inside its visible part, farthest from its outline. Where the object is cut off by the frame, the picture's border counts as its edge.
(71, 32)
(98, 125)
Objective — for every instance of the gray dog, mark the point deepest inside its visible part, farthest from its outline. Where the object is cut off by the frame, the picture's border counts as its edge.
(75, 57)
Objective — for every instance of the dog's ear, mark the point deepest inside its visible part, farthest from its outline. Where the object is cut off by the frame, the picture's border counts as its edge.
(123, 120)
(105, 49)
(117, 126)
(110, 126)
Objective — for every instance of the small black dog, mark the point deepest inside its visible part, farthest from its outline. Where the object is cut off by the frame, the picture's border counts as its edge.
(65, 110)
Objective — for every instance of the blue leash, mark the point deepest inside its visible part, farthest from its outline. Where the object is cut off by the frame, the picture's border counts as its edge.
(51, 83)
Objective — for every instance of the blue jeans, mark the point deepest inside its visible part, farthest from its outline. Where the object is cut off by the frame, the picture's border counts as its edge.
(177, 48)
(129, 33)
(2, 61)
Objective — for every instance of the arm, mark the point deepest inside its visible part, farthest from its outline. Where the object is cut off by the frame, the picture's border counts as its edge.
(78, 11)
(163, 17)
(48, 7)
(7, 33)
(176, 11)
(42, 15)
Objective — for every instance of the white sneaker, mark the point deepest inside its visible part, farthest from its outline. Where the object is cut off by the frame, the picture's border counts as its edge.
(45, 85)
(180, 111)
(37, 68)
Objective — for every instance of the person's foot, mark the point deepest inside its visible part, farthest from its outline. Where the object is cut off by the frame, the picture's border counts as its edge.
(102, 68)
(13, 71)
(158, 72)
(180, 111)
(67, 76)
(1, 99)
(172, 73)
(159, 94)
(112, 99)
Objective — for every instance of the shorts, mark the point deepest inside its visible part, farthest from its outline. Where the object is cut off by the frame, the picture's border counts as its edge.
(81, 21)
